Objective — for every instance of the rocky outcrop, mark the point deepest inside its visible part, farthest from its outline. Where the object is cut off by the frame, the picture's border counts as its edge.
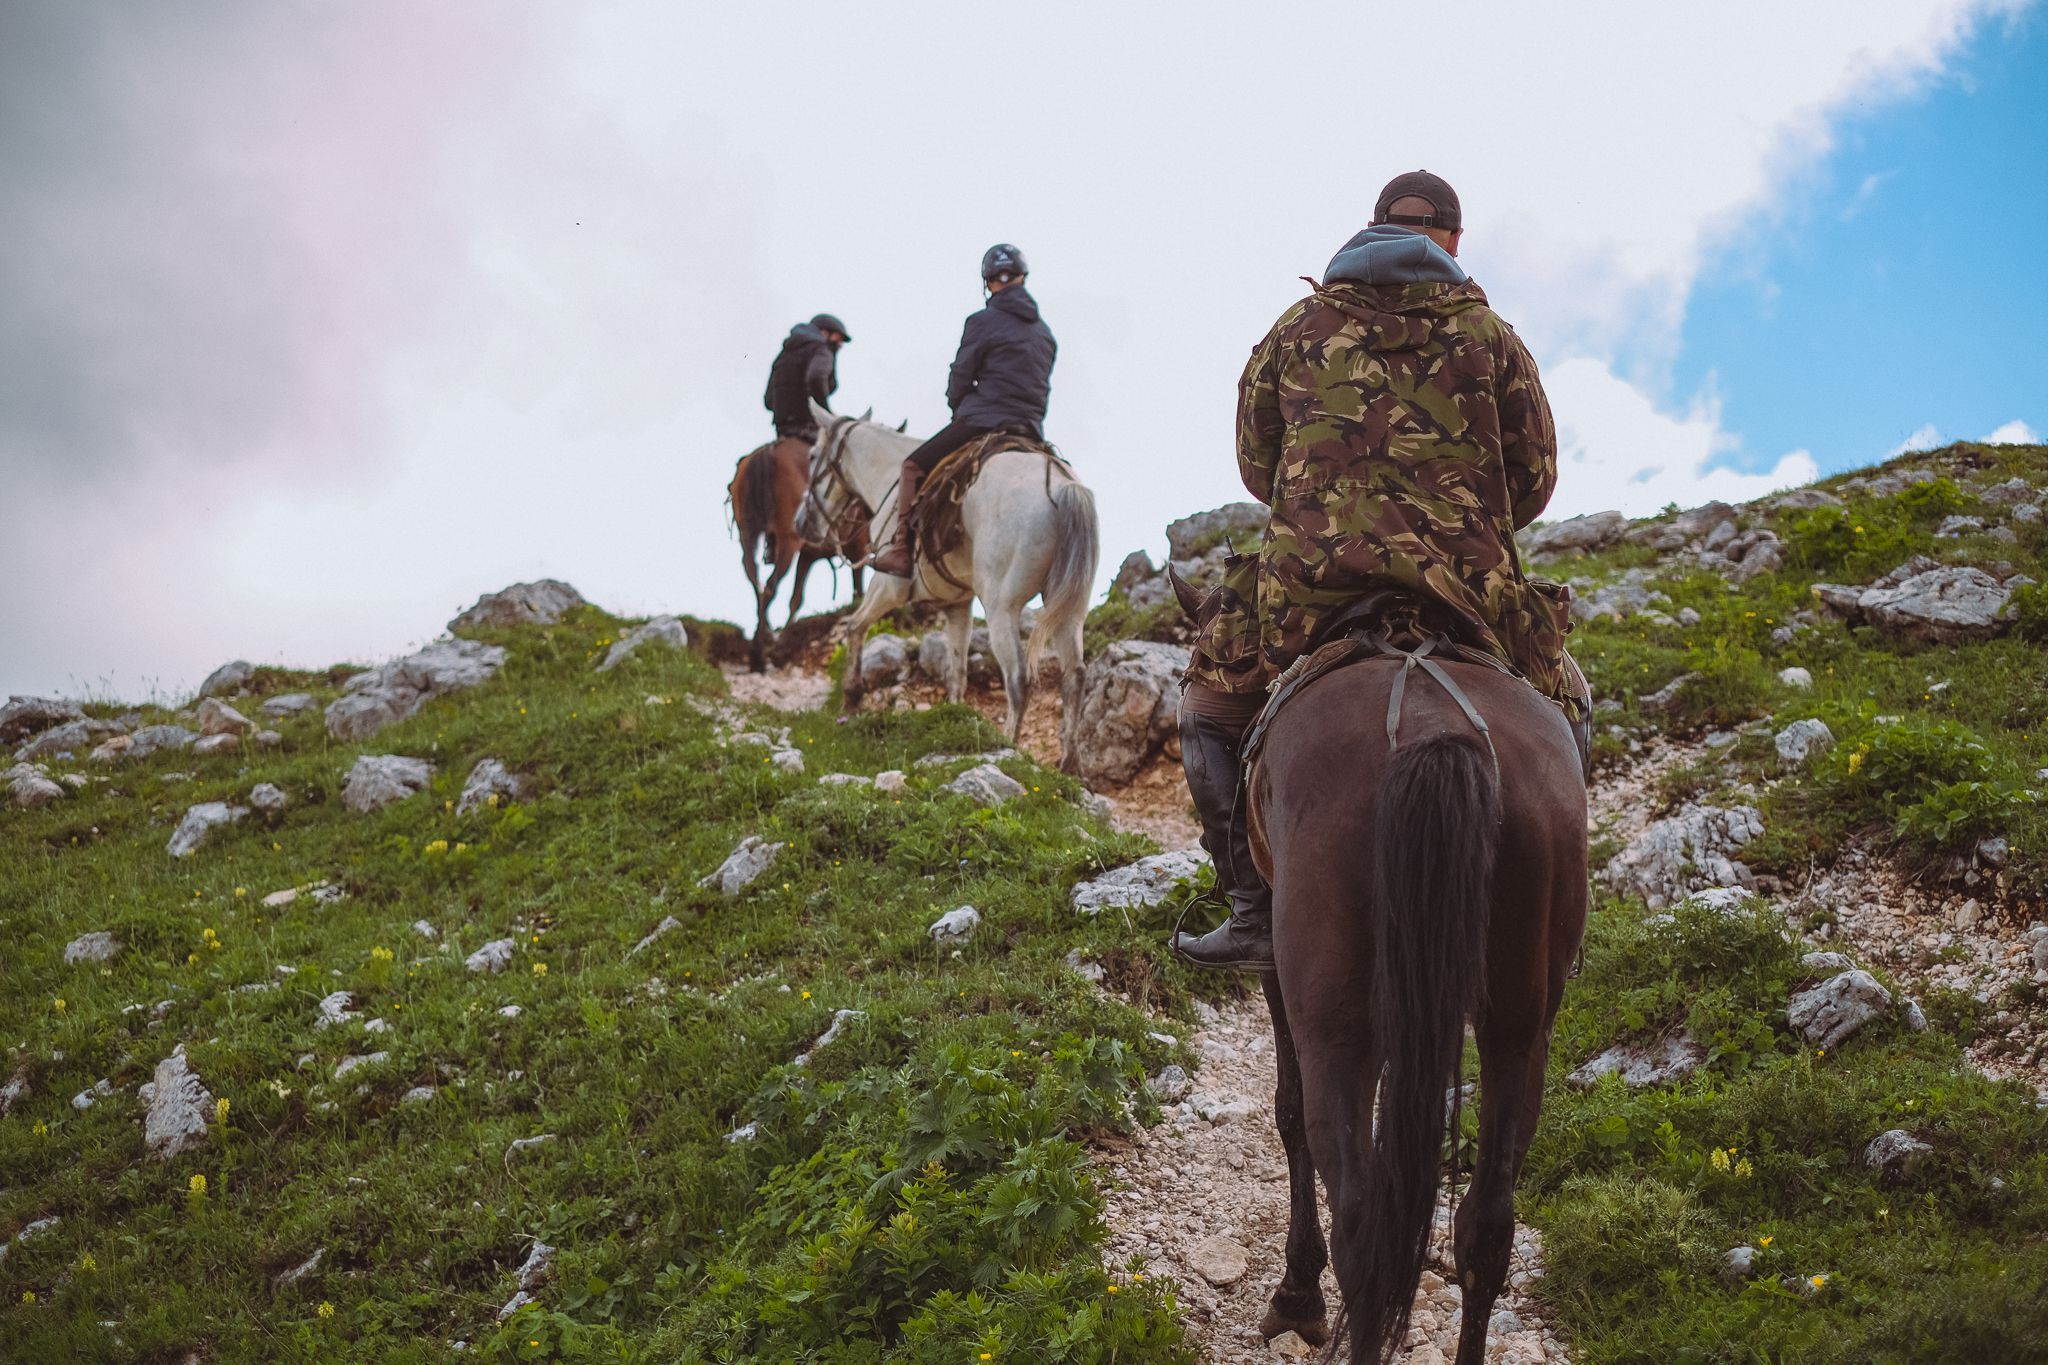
(955, 926)
(540, 603)
(228, 679)
(885, 661)
(72, 738)
(1829, 1014)
(986, 785)
(1689, 851)
(1925, 601)
(216, 717)
(389, 693)
(1129, 709)
(489, 779)
(746, 862)
(29, 784)
(178, 1105)
(199, 824)
(23, 717)
(1660, 1062)
(1803, 740)
(376, 780)
(664, 631)
(1140, 885)
(1575, 535)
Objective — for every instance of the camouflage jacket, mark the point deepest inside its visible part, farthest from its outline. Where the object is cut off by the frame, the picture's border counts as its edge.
(1401, 437)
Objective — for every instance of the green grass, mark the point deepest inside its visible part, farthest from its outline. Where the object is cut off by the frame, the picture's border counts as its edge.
(915, 1192)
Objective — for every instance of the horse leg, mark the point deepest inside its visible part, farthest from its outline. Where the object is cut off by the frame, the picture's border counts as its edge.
(804, 560)
(1512, 1057)
(757, 649)
(1297, 1303)
(959, 626)
(1066, 647)
(1003, 638)
(890, 593)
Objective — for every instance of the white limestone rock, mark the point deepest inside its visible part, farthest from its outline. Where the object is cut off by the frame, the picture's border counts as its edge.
(539, 603)
(955, 926)
(1829, 1014)
(199, 824)
(289, 704)
(494, 956)
(228, 679)
(178, 1105)
(376, 780)
(1661, 1061)
(487, 779)
(1129, 708)
(98, 946)
(840, 1019)
(268, 798)
(389, 693)
(29, 785)
(1685, 852)
(662, 630)
(986, 785)
(1594, 531)
(747, 861)
(216, 717)
(1803, 740)
(892, 783)
(1140, 885)
(25, 717)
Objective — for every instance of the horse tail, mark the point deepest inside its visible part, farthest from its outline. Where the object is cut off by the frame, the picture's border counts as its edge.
(1070, 581)
(756, 480)
(1434, 843)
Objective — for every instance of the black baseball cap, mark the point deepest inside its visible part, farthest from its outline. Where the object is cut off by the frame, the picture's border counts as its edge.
(1443, 201)
(825, 322)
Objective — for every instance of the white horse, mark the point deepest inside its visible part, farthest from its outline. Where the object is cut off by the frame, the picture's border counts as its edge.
(1029, 529)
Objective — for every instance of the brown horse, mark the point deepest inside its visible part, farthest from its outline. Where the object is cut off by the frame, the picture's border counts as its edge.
(766, 490)
(1418, 883)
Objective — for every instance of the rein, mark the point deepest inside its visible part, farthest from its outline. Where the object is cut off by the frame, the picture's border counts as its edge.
(853, 510)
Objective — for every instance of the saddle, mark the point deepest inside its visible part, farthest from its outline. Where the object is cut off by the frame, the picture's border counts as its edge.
(939, 526)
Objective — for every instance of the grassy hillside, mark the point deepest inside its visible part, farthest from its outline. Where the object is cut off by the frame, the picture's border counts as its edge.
(914, 1190)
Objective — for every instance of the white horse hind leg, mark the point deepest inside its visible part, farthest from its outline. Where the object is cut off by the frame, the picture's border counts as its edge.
(959, 627)
(1003, 638)
(1066, 646)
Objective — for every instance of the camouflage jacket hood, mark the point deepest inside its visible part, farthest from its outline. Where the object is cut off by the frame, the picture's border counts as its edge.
(1401, 317)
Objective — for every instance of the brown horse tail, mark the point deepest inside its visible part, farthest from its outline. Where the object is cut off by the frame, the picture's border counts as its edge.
(756, 498)
(1433, 855)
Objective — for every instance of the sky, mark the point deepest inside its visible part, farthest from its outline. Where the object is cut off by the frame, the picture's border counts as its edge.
(317, 322)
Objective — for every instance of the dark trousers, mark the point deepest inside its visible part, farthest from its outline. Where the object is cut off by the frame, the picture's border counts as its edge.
(944, 442)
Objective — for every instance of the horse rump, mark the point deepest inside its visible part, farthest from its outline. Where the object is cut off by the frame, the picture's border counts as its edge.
(1434, 842)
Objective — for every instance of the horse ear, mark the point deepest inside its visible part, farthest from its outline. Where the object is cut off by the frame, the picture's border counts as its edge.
(868, 416)
(820, 413)
(1190, 600)
(903, 426)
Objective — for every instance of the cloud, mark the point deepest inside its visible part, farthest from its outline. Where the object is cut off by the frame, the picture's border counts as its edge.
(2014, 433)
(316, 321)
(1926, 436)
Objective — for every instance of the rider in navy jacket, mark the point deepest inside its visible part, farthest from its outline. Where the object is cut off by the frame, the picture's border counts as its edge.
(1000, 381)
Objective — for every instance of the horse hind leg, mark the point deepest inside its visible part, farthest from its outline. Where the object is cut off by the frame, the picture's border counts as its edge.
(889, 594)
(959, 629)
(757, 648)
(1297, 1304)
(1009, 651)
(804, 562)
(1511, 1093)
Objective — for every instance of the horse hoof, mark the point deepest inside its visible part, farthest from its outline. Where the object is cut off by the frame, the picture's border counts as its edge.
(1312, 1329)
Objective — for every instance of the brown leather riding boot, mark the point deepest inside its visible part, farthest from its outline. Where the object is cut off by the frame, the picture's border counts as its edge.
(901, 556)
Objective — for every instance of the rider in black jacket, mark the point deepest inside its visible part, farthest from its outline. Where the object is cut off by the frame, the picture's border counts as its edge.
(1000, 382)
(806, 370)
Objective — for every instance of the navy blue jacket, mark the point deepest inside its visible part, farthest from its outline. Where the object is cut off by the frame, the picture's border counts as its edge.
(806, 369)
(1003, 373)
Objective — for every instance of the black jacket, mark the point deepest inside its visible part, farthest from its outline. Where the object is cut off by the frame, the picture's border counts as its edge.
(1003, 373)
(806, 369)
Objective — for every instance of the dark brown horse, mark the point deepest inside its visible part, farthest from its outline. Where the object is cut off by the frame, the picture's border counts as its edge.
(1417, 885)
(766, 490)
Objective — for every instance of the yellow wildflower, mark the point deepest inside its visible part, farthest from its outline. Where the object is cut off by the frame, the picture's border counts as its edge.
(1719, 1160)
(1112, 1289)
(241, 891)
(437, 846)
(197, 1184)
(326, 1309)
(191, 959)
(41, 1129)
(1818, 1281)
(491, 800)
(807, 995)
(540, 969)
(1743, 1170)
(59, 1002)
(87, 1263)
(1765, 1240)
(220, 1110)
(28, 1296)
(381, 954)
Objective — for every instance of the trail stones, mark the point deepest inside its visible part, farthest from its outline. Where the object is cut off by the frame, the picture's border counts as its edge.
(1140, 885)
(1661, 1062)
(1218, 1260)
(1827, 1015)
(540, 603)
(218, 718)
(745, 863)
(986, 785)
(1925, 601)
(98, 946)
(955, 926)
(1594, 531)
(490, 778)
(199, 824)
(1170, 1085)
(389, 693)
(1220, 1108)
(1685, 852)
(1129, 708)
(1895, 1154)
(29, 785)
(1804, 739)
(228, 679)
(178, 1105)
(494, 956)
(884, 661)
(376, 780)
(23, 717)
(662, 630)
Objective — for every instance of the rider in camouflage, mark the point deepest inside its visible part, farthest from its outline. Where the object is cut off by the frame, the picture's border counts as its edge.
(1396, 426)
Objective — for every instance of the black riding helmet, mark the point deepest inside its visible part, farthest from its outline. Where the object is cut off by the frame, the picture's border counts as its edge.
(825, 322)
(1002, 261)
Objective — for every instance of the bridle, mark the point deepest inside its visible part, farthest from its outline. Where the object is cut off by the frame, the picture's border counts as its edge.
(828, 466)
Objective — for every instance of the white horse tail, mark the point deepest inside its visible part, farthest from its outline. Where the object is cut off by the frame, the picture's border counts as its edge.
(1071, 580)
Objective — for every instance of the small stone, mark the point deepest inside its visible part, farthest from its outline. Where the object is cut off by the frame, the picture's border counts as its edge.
(845, 780)
(1220, 1109)
(268, 798)
(98, 946)
(986, 785)
(288, 705)
(746, 862)
(298, 1272)
(840, 1019)
(198, 825)
(1660, 1062)
(1895, 1153)
(1818, 965)
(510, 1011)
(668, 924)
(662, 630)
(86, 1099)
(353, 1061)
(1084, 967)
(1916, 1018)
(487, 779)
(1218, 1260)
(1739, 1263)
(218, 718)
(217, 744)
(494, 956)
(377, 780)
(337, 1008)
(1290, 1346)
(512, 1305)
(1141, 885)
(955, 926)
(178, 1106)
(1170, 1085)
(746, 1132)
(1830, 1013)
(266, 739)
(425, 930)
(1969, 915)
(892, 783)
(1804, 739)
(228, 679)
(1797, 678)
(419, 1094)
(788, 760)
